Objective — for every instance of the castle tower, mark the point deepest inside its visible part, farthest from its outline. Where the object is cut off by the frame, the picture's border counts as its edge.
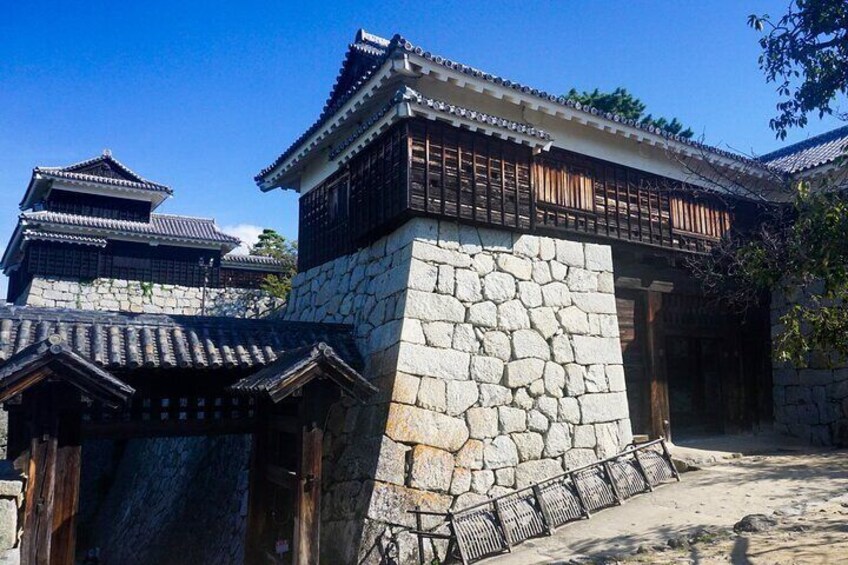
(89, 237)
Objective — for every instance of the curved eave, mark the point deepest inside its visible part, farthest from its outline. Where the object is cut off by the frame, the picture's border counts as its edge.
(555, 106)
(118, 235)
(41, 183)
(279, 176)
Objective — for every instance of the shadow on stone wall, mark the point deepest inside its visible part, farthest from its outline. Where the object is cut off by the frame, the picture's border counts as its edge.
(165, 500)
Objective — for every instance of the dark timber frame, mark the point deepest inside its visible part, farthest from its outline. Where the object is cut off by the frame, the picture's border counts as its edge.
(56, 397)
(429, 168)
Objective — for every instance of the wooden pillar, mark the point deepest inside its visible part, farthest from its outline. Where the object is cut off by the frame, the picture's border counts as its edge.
(66, 505)
(655, 345)
(52, 464)
(307, 534)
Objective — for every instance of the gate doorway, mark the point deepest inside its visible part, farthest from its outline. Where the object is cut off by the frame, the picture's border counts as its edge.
(691, 366)
(71, 376)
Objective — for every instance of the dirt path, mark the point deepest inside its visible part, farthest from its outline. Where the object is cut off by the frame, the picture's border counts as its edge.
(819, 536)
(714, 499)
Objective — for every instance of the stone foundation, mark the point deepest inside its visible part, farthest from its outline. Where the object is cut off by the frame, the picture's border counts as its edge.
(499, 364)
(165, 500)
(810, 403)
(148, 298)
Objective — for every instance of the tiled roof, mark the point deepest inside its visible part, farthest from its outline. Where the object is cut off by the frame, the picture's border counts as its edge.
(133, 341)
(183, 228)
(236, 260)
(54, 358)
(41, 235)
(103, 169)
(295, 368)
(407, 94)
(810, 153)
(345, 88)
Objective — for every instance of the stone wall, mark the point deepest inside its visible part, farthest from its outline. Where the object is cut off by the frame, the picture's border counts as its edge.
(11, 500)
(165, 500)
(810, 403)
(149, 298)
(499, 365)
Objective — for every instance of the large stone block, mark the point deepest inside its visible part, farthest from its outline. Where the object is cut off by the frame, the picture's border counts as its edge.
(483, 314)
(471, 455)
(557, 440)
(439, 255)
(409, 424)
(519, 268)
(531, 472)
(487, 369)
(529, 343)
(500, 453)
(529, 445)
(431, 468)
(594, 303)
(589, 350)
(391, 503)
(570, 253)
(598, 257)
(512, 315)
(468, 286)
(461, 395)
(432, 362)
(431, 307)
(499, 287)
(482, 422)
(603, 407)
(523, 372)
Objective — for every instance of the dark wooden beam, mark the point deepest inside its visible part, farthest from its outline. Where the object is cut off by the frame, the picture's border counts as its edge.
(258, 493)
(656, 364)
(67, 491)
(308, 498)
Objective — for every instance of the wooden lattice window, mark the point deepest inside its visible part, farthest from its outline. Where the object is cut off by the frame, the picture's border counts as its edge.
(337, 199)
(565, 185)
(698, 217)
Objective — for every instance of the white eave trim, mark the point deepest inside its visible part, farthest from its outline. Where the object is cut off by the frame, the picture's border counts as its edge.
(499, 92)
(341, 116)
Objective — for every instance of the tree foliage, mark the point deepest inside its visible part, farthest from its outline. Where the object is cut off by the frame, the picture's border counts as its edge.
(805, 53)
(799, 252)
(623, 103)
(272, 244)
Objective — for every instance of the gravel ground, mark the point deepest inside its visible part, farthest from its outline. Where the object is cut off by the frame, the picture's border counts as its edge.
(705, 506)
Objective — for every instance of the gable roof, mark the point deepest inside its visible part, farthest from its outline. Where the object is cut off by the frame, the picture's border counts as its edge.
(104, 168)
(810, 153)
(53, 359)
(103, 173)
(298, 367)
(123, 341)
(369, 53)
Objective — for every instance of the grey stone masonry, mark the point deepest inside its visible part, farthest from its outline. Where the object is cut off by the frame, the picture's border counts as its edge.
(810, 403)
(499, 363)
(148, 298)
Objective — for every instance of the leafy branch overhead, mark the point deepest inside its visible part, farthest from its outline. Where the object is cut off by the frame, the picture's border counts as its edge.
(804, 54)
(623, 103)
(272, 244)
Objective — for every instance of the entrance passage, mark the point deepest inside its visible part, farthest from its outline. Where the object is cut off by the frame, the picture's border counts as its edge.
(691, 365)
(694, 384)
(203, 397)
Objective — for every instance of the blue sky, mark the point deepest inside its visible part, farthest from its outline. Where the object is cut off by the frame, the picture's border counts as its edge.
(202, 95)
